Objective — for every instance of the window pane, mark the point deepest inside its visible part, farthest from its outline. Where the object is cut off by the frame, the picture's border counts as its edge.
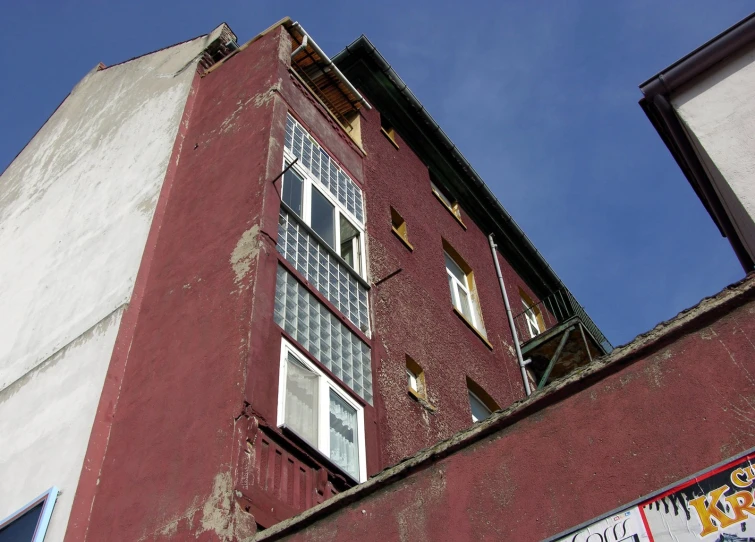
(412, 380)
(323, 217)
(344, 449)
(465, 308)
(479, 410)
(292, 190)
(301, 400)
(455, 270)
(23, 528)
(350, 244)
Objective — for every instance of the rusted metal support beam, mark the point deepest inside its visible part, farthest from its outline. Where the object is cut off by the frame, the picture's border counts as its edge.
(584, 340)
(554, 359)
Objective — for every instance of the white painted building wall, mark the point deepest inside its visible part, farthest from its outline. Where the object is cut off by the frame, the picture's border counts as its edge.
(718, 111)
(76, 206)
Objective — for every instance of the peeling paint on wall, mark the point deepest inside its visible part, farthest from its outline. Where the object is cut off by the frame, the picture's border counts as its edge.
(246, 250)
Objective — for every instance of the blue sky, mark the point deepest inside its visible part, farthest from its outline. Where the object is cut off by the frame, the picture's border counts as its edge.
(541, 97)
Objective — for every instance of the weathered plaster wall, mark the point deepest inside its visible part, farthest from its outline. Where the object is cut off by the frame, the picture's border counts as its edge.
(75, 209)
(412, 310)
(177, 440)
(718, 109)
(45, 419)
(673, 402)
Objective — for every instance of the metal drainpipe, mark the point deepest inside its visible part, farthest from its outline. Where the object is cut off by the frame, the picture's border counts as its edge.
(514, 334)
(302, 46)
(329, 64)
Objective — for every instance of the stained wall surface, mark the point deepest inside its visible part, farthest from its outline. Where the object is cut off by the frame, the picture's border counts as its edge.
(672, 403)
(718, 110)
(75, 208)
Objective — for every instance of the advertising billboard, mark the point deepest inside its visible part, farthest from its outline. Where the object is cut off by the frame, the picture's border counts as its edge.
(716, 506)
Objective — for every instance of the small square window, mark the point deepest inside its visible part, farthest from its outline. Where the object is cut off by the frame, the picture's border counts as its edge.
(450, 204)
(320, 413)
(398, 225)
(388, 130)
(415, 379)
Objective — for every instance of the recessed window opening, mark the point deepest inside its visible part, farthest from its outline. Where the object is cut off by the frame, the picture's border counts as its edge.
(399, 224)
(388, 130)
(318, 411)
(480, 403)
(451, 204)
(533, 318)
(316, 207)
(462, 287)
(415, 378)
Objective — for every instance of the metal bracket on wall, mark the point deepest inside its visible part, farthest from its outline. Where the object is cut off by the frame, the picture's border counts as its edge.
(282, 173)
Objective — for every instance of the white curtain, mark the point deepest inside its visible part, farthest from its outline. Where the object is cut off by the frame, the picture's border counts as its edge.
(301, 400)
(344, 450)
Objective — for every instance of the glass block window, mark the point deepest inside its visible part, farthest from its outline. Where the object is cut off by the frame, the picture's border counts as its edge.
(319, 331)
(331, 278)
(323, 168)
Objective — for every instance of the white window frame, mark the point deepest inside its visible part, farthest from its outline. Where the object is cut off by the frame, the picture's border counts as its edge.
(325, 384)
(455, 299)
(310, 180)
(533, 326)
(49, 498)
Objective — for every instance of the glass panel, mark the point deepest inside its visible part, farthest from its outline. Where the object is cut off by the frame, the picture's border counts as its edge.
(412, 380)
(532, 324)
(23, 528)
(479, 410)
(301, 400)
(454, 268)
(465, 308)
(329, 276)
(350, 244)
(323, 334)
(323, 168)
(323, 217)
(452, 286)
(344, 449)
(292, 190)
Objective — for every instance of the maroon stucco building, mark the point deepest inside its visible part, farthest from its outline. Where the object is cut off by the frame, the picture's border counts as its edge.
(319, 299)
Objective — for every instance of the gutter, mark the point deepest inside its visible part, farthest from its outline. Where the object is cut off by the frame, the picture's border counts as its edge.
(307, 39)
(657, 106)
(710, 53)
(541, 267)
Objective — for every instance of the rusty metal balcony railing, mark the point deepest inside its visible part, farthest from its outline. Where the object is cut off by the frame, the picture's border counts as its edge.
(552, 310)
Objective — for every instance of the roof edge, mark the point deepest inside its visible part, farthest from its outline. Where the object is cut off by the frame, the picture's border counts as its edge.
(727, 299)
(693, 64)
(533, 256)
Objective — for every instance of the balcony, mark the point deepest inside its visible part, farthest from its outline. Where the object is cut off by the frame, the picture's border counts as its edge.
(557, 336)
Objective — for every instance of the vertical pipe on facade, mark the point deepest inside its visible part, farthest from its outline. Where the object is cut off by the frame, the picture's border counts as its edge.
(510, 316)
